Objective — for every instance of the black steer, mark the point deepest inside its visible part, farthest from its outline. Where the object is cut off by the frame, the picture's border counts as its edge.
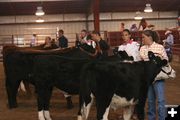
(18, 65)
(62, 72)
(56, 71)
(117, 84)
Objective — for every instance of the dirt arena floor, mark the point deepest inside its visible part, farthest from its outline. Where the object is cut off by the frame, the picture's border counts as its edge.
(27, 109)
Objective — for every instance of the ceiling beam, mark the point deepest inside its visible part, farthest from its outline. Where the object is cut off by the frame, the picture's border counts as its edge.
(35, 0)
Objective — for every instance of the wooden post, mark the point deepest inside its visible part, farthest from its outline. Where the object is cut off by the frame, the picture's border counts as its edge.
(96, 15)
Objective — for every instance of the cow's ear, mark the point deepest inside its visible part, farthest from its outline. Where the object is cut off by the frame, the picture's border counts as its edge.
(151, 55)
(115, 51)
(121, 54)
(131, 58)
(125, 53)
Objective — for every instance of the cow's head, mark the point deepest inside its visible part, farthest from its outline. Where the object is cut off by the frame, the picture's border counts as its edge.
(165, 70)
(157, 60)
(123, 56)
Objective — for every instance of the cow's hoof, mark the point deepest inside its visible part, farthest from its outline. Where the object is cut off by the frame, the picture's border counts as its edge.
(79, 117)
(42, 118)
(47, 115)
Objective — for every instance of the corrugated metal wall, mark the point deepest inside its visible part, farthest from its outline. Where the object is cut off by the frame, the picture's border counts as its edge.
(74, 23)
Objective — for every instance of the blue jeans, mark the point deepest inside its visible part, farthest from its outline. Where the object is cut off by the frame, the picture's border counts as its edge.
(156, 90)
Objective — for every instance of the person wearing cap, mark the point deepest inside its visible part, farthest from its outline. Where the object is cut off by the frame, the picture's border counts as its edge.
(133, 28)
(33, 40)
(168, 42)
(170, 38)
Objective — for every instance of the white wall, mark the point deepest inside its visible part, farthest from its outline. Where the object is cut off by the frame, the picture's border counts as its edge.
(161, 20)
(74, 23)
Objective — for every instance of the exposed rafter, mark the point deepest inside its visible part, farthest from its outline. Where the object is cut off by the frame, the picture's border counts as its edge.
(28, 7)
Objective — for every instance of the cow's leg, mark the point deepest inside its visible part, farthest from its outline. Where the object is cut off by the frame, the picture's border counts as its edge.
(85, 106)
(47, 115)
(68, 100)
(127, 112)
(27, 87)
(139, 108)
(103, 105)
(22, 87)
(81, 102)
(12, 88)
(40, 100)
(103, 116)
(47, 103)
(41, 115)
(44, 95)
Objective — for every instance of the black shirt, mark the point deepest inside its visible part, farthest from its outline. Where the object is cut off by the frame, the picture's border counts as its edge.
(63, 42)
(104, 47)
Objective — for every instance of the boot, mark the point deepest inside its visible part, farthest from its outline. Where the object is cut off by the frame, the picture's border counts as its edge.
(69, 103)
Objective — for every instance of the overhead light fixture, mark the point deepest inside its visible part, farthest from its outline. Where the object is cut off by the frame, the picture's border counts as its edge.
(148, 8)
(138, 16)
(39, 11)
(39, 20)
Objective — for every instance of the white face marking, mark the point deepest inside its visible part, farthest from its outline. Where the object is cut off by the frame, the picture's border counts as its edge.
(47, 115)
(41, 115)
(118, 101)
(105, 116)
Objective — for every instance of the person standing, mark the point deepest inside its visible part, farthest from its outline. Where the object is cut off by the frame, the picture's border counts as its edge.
(167, 43)
(150, 41)
(49, 43)
(131, 47)
(133, 28)
(85, 38)
(122, 26)
(143, 23)
(63, 41)
(102, 46)
(33, 40)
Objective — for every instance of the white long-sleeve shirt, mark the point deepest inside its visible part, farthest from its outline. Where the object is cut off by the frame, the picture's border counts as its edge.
(132, 49)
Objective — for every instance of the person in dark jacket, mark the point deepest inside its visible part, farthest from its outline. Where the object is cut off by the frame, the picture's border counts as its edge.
(63, 41)
(101, 45)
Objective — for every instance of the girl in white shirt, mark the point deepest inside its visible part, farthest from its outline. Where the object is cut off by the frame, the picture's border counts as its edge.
(131, 47)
